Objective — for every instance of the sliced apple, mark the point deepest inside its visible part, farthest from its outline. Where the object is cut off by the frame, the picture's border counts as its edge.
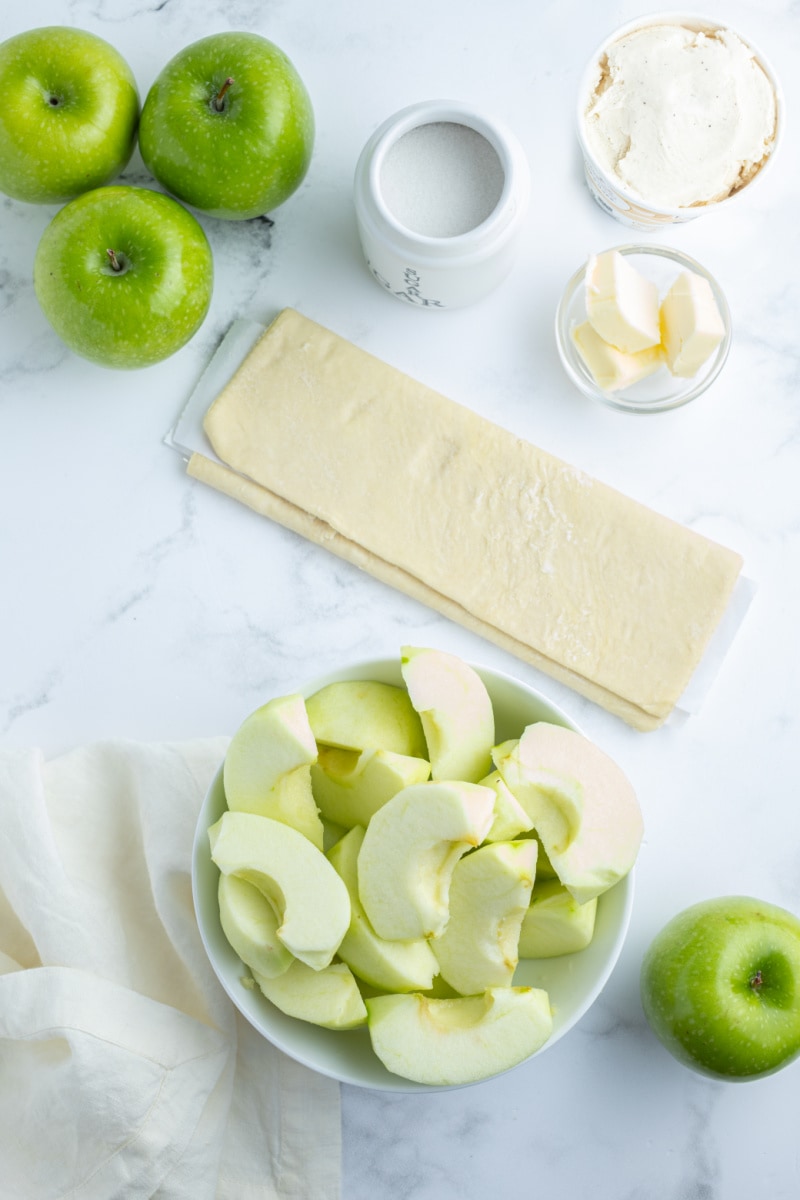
(366, 715)
(392, 966)
(266, 769)
(409, 851)
(308, 897)
(555, 923)
(489, 895)
(583, 807)
(510, 818)
(349, 787)
(250, 924)
(329, 997)
(452, 1042)
(455, 710)
(544, 868)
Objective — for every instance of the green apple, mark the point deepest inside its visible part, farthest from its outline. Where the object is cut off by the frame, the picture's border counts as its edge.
(329, 997)
(228, 126)
(720, 987)
(124, 275)
(455, 710)
(555, 923)
(364, 714)
(510, 818)
(453, 1042)
(309, 898)
(410, 850)
(349, 787)
(250, 924)
(582, 806)
(68, 117)
(489, 896)
(267, 766)
(391, 966)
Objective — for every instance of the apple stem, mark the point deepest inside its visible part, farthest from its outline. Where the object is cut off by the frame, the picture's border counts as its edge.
(219, 99)
(114, 262)
(756, 982)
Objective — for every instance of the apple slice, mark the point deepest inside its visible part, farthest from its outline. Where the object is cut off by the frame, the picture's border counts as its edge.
(583, 808)
(392, 966)
(329, 997)
(366, 715)
(266, 768)
(452, 1042)
(250, 924)
(555, 923)
(309, 898)
(489, 895)
(349, 787)
(510, 818)
(455, 710)
(410, 849)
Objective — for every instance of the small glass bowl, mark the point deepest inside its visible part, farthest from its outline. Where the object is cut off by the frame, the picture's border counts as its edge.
(660, 391)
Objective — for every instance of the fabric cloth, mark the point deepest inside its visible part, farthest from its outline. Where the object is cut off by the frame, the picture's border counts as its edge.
(125, 1070)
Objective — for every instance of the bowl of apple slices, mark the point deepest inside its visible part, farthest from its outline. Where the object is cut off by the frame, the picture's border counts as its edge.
(415, 872)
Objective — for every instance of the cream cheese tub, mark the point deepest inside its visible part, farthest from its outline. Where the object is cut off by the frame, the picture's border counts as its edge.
(677, 114)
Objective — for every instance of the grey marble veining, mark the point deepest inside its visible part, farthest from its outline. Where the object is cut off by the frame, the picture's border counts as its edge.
(137, 603)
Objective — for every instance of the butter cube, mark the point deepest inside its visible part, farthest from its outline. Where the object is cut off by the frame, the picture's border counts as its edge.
(613, 369)
(621, 304)
(691, 324)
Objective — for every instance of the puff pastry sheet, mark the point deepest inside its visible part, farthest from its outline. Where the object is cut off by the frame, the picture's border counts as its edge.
(595, 589)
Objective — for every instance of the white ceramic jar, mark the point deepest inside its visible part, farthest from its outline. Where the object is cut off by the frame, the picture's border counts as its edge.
(441, 195)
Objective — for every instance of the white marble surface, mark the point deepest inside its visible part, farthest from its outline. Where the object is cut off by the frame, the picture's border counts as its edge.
(137, 603)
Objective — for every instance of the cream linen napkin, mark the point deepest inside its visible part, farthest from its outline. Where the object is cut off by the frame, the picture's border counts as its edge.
(125, 1071)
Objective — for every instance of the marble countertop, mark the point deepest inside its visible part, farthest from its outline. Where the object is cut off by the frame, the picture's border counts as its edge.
(138, 603)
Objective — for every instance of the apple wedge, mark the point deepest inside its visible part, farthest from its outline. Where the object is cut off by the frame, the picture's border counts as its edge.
(583, 807)
(409, 851)
(349, 787)
(555, 923)
(266, 768)
(366, 715)
(329, 997)
(250, 924)
(308, 897)
(452, 1042)
(391, 966)
(455, 711)
(489, 896)
(510, 818)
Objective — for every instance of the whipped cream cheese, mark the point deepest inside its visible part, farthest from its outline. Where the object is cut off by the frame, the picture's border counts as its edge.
(680, 117)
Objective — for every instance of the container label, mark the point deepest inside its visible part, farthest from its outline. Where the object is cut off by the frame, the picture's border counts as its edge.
(634, 216)
(411, 292)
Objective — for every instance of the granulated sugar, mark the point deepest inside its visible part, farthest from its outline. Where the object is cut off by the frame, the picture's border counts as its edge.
(441, 179)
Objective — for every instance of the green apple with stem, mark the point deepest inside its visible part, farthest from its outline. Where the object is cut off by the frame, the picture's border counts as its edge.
(124, 275)
(720, 987)
(228, 126)
(68, 117)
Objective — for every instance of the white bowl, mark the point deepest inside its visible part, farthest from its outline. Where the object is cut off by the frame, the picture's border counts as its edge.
(573, 982)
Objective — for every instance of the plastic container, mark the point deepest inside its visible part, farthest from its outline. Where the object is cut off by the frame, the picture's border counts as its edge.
(613, 198)
(658, 392)
(429, 269)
